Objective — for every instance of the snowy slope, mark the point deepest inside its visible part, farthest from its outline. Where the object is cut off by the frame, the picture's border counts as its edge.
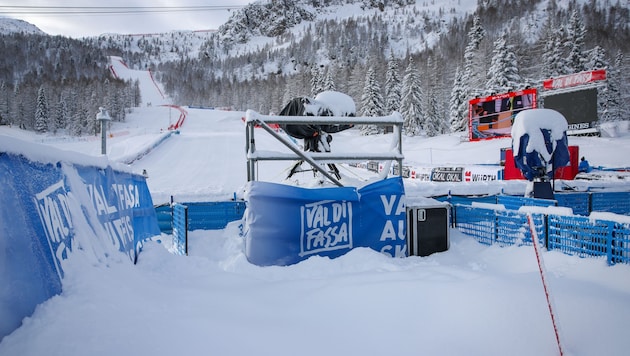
(471, 300)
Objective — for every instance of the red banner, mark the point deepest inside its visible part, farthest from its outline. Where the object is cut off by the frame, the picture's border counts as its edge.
(572, 80)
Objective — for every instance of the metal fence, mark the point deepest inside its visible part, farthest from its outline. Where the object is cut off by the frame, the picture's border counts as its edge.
(573, 235)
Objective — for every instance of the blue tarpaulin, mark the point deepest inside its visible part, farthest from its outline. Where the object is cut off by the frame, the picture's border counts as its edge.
(286, 224)
(45, 208)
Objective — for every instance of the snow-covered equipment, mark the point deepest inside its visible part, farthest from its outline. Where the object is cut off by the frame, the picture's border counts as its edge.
(313, 120)
(540, 146)
(317, 137)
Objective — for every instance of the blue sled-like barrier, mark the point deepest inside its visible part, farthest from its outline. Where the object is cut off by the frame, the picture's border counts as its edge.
(286, 224)
(49, 208)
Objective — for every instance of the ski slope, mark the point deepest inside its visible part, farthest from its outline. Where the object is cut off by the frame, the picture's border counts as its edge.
(470, 300)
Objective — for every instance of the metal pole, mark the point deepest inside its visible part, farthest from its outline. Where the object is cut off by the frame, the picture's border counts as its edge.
(103, 137)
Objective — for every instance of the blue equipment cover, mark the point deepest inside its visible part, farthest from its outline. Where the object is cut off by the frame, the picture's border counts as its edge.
(286, 224)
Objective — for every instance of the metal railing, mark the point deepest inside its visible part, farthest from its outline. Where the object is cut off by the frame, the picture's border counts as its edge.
(254, 119)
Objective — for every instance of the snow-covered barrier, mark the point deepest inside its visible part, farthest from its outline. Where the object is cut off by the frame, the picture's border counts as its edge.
(54, 203)
(287, 224)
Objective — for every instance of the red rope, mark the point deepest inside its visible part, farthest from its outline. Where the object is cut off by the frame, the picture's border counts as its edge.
(544, 282)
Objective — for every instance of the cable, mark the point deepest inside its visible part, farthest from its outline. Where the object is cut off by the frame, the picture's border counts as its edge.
(107, 10)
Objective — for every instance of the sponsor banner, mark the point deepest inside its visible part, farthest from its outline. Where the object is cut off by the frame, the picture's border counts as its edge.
(29, 260)
(482, 173)
(286, 224)
(575, 79)
(447, 174)
(123, 206)
(47, 209)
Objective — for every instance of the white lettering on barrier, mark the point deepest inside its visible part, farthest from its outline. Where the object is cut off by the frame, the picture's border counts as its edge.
(399, 250)
(100, 200)
(394, 229)
(54, 213)
(128, 195)
(118, 225)
(326, 226)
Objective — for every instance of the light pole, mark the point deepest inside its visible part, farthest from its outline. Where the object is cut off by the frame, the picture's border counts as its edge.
(103, 117)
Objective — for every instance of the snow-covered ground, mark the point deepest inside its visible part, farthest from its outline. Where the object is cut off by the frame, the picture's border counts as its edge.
(470, 300)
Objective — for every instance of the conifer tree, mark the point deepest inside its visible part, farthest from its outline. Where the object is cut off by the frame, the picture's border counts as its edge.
(503, 75)
(458, 105)
(371, 102)
(317, 80)
(4, 104)
(42, 114)
(392, 86)
(328, 81)
(61, 114)
(597, 59)
(553, 61)
(575, 42)
(411, 103)
(609, 99)
(474, 75)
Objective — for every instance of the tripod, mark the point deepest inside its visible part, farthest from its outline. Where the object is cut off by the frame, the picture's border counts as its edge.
(312, 144)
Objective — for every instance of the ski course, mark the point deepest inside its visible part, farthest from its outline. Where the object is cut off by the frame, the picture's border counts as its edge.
(188, 162)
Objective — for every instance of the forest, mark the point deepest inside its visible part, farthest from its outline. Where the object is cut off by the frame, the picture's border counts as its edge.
(422, 60)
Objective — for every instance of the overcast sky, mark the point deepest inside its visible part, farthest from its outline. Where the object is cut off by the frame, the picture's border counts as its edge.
(81, 18)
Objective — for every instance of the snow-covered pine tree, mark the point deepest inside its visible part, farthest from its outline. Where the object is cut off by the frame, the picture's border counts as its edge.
(609, 100)
(61, 114)
(576, 31)
(42, 114)
(371, 102)
(328, 81)
(77, 122)
(317, 80)
(392, 86)
(503, 75)
(458, 104)
(554, 61)
(474, 76)
(433, 123)
(4, 104)
(596, 59)
(434, 120)
(411, 103)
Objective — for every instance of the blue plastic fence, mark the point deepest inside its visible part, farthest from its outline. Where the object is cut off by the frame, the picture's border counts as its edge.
(180, 228)
(613, 202)
(202, 215)
(582, 203)
(574, 235)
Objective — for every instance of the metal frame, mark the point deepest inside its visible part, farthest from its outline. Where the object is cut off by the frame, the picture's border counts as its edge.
(254, 119)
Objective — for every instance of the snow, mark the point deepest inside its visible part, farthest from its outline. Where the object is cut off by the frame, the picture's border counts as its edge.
(530, 122)
(338, 103)
(470, 300)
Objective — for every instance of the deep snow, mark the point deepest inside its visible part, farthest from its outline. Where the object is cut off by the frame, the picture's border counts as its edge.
(470, 300)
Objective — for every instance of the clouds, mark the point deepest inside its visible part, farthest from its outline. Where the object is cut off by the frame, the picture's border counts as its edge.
(82, 18)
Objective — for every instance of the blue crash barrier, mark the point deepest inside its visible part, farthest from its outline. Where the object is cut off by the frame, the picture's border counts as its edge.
(48, 209)
(286, 224)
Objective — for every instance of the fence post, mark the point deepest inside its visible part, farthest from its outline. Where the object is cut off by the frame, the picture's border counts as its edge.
(609, 245)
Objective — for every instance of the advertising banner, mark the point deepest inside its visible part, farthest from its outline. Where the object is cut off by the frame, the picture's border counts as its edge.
(123, 206)
(287, 224)
(29, 260)
(46, 210)
(492, 116)
(575, 79)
